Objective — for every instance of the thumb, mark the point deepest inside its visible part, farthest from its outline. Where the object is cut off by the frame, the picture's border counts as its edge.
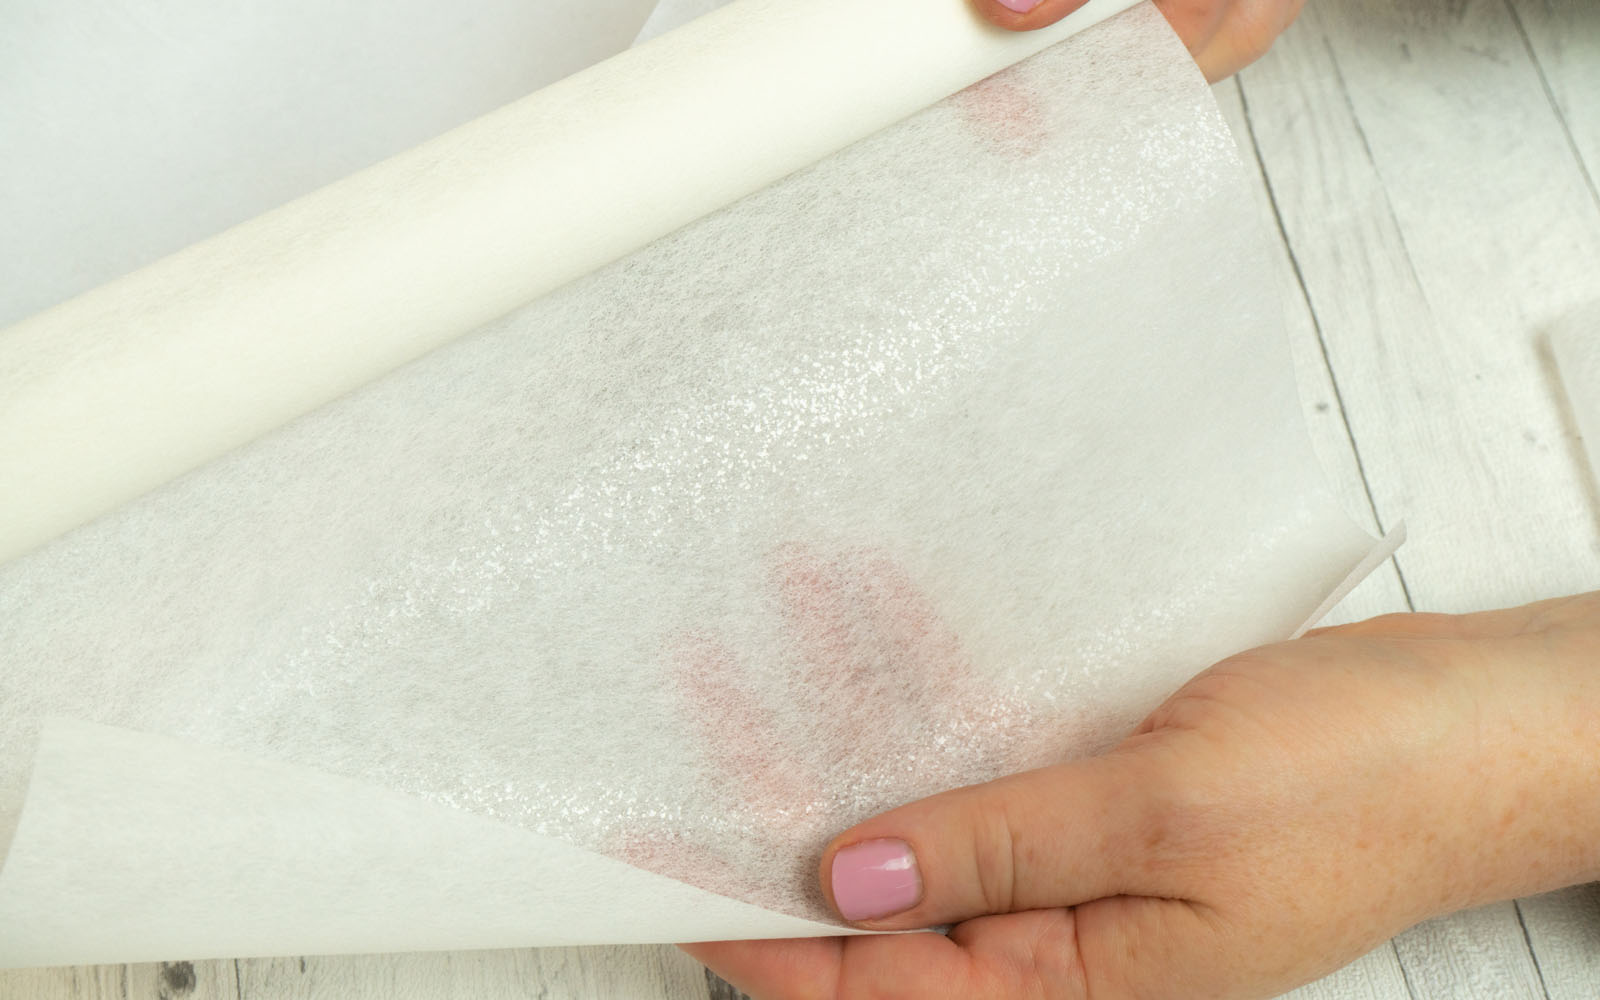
(1058, 836)
(1026, 15)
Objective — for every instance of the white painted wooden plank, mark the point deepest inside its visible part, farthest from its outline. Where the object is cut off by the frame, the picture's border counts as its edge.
(1470, 955)
(1564, 931)
(1565, 38)
(655, 972)
(150, 981)
(1376, 974)
(645, 972)
(1454, 228)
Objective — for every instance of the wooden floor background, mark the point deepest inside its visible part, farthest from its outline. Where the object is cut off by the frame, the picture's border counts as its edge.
(1428, 172)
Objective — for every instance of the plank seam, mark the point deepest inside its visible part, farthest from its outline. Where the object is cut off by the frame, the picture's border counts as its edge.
(1372, 161)
(1555, 104)
(1527, 941)
(1405, 974)
(1316, 321)
(718, 988)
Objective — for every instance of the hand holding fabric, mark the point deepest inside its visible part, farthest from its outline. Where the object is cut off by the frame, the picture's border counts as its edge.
(1284, 812)
(1224, 36)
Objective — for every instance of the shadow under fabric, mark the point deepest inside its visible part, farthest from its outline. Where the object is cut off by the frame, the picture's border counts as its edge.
(946, 456)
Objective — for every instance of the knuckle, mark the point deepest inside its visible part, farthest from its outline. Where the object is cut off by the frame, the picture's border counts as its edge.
(1174, 822)
(994, 859)
(1058, 958)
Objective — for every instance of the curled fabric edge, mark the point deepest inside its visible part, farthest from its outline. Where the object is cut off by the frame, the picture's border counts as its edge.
(313, 864)
(1382, 550)
(111, 394)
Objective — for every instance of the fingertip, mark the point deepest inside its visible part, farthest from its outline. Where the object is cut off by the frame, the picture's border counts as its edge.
(825, 871)
(871, 880)
(709, 953)
(1053, 837)
(1025, 15)
(873, 873)
(796, 966)
(1002, 15)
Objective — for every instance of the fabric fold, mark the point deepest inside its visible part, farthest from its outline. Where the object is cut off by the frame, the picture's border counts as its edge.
(948, 455)
(136, 846)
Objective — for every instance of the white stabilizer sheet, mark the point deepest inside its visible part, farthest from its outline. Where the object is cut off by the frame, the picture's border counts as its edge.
(958, 433)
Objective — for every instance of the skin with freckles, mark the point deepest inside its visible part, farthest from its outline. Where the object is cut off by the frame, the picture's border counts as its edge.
(1284, 812)
(1224, 36)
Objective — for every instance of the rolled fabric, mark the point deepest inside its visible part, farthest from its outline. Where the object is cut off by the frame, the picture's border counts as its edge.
(119, 390)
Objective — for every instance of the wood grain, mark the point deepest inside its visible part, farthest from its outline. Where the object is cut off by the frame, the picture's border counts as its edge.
(1378, 974)
(644, 972)
(1563, 36)
(1564, 932)
(148, 981)
(1478, 954)
(1441, 222)
(1326, 421)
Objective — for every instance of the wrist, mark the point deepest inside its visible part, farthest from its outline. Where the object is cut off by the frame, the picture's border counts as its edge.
(1530, 788)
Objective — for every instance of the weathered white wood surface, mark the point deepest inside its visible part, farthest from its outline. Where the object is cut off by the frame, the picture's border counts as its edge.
(1428, 175)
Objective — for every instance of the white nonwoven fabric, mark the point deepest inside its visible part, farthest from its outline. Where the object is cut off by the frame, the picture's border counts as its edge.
(949, 455)
(308, 863)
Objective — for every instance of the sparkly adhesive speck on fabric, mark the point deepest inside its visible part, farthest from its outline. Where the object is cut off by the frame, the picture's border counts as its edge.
(948, 456)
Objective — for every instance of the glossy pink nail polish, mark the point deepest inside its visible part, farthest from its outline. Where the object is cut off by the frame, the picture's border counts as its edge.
(875, 878)
(1020, 6)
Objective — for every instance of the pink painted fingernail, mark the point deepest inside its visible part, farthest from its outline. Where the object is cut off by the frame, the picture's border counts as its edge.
(1020, 6)
(875, 878)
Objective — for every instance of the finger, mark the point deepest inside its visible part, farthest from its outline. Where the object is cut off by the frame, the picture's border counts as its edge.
(1133, 946)
(869, 636)
(1026, 15)
(1053, 837)
(1141, 947)
(1196, 22)
(736, 727)
(923, 966)
(1013, 954)
(803, 967)
(1222, 57)
(1244, 35)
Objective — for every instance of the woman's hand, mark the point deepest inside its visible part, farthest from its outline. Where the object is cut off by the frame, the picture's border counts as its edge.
(1286, 811)
(1224, 36)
